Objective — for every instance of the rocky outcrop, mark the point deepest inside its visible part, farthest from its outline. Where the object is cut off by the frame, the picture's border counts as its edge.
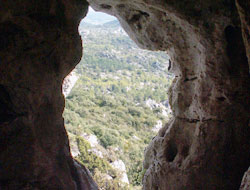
(68, 83)
(206, 145)
(120, 166)
(243, 9)
(245, 184)
(40, 45)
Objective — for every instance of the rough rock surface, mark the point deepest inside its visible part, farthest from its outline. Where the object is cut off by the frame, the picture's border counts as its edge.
(243, 9)
(39, 46)
(245, 185)
(68, 83)
(120, 166)
(206, 145)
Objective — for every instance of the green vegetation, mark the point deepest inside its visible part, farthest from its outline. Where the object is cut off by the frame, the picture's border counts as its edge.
(90, 160)
(109, 101)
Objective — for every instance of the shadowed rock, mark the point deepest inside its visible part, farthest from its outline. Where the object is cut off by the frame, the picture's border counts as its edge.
(39, 46)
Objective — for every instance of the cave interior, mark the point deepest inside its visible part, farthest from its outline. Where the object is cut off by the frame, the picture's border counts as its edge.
(206, 144)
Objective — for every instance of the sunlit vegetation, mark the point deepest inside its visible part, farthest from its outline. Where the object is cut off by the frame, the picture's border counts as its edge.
(116, 78)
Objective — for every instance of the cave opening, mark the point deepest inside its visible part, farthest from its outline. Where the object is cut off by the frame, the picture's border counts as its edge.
(116, 102)
(205, 145)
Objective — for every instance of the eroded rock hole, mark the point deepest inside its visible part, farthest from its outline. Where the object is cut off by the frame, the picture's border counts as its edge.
(221, 99)
(185, 151)
(116, 102)
(104, 6)
(6, 112)
(136, 17)
(235, 50)
(230, 32)
(121, 6)
(171, 152)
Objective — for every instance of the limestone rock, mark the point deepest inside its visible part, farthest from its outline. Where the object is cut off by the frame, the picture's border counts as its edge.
(163, 106)
(158, 126)
(40, 45)
(74, 150)
(120, 166)
(245, 184)
(206, 145)
(68, 83)
(92, 139)
(243, 9)
(96, 152)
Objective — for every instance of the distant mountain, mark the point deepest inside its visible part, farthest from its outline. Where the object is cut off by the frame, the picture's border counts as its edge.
(84, 25)
(112, 24)
(106, 26)
(97, 18)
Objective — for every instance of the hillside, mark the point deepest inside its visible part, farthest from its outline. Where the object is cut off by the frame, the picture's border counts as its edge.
(117, 105)
(97, 18)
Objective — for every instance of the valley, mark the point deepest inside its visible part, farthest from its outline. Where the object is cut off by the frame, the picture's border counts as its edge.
(116, 106)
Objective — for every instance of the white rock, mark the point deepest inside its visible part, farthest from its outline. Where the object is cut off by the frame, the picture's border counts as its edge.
(158, 126)
(164, 112)
(92, 139)
(69, 83)
(107, 177)
(124, 178)
(96, 152)
(120, 166)
(136, 138)
(74, 150)
(151, 103)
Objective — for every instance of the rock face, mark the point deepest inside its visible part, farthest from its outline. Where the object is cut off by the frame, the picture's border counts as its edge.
(243, 9)
(205, 146)
(120, 166)
(39, 46)
(68, 83)
(245, 185)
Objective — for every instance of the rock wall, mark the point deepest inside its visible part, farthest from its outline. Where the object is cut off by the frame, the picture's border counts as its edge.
(244, 13)
(68, 83)
(39, 46)
(245, 185)
(206, 145)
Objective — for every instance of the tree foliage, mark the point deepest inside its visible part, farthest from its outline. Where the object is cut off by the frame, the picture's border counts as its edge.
(115, 80)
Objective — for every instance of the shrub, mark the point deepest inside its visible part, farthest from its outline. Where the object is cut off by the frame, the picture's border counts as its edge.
(90, 160)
